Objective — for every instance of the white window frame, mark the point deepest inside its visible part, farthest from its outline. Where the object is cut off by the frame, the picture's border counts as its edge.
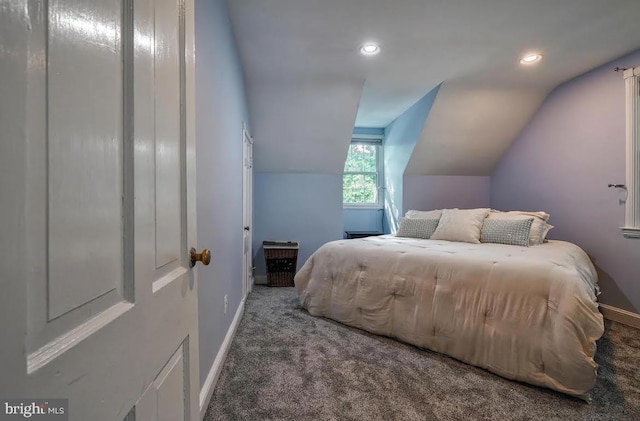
(370, 140)
(632, 210)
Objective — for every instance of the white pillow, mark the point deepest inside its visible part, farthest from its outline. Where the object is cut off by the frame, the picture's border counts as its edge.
(416, 214)
(539, 227)
(545, 230)
(462, 225)
(539, 214)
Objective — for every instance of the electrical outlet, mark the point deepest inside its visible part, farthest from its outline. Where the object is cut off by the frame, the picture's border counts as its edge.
(226, 304)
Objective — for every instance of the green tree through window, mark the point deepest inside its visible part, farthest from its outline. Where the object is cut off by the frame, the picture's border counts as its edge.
(360, 178)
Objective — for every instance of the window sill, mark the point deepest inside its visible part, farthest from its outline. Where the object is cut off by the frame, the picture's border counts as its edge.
(362, 207)
(631, 232)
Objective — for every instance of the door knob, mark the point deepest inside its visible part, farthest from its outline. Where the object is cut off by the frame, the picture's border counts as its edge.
(246, 228)
(204, 257)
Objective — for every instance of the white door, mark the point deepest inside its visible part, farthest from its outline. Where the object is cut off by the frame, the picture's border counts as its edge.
(98, 300)
(247, 214)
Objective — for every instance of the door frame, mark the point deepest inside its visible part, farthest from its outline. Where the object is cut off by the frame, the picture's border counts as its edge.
(247, 210)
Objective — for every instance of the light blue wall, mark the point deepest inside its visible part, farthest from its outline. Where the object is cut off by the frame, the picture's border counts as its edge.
(562, 162)
(296, 207)
(400, 140)
(362, 219)
(220, 111)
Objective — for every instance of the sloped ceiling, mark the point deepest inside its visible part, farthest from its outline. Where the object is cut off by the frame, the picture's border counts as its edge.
(469, 128)
(308, 87)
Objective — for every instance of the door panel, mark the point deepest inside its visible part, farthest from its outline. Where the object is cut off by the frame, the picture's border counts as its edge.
(74, 182)
(170, 388)
(168, 133)
(104, 173)
(85, 151)
(165, 398)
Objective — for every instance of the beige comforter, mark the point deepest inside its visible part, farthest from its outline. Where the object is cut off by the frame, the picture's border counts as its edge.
(525, 313)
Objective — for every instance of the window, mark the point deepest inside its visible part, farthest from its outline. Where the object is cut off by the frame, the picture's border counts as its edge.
(362, 174)
(632, 214)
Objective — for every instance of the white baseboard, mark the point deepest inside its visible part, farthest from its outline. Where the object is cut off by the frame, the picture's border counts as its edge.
(261, 279)
(621, 316)
(212, 378)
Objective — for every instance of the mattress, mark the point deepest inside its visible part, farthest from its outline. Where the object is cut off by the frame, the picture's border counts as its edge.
(525, 313)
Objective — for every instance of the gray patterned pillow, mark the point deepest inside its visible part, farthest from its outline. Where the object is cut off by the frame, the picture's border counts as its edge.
(513, 232)
(417, 228)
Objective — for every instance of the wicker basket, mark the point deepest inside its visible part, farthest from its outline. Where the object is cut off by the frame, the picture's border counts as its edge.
(281, 259)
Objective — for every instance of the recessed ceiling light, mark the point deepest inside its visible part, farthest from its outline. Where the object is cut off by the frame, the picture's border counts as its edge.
(531, 58)
(370, 49)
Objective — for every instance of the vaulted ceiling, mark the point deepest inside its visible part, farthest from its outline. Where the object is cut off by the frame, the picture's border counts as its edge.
(308, 86)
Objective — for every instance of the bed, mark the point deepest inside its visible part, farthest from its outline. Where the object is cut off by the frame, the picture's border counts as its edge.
(525, 313)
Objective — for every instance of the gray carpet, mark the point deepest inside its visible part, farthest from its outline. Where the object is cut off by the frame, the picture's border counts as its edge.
(287, 365)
